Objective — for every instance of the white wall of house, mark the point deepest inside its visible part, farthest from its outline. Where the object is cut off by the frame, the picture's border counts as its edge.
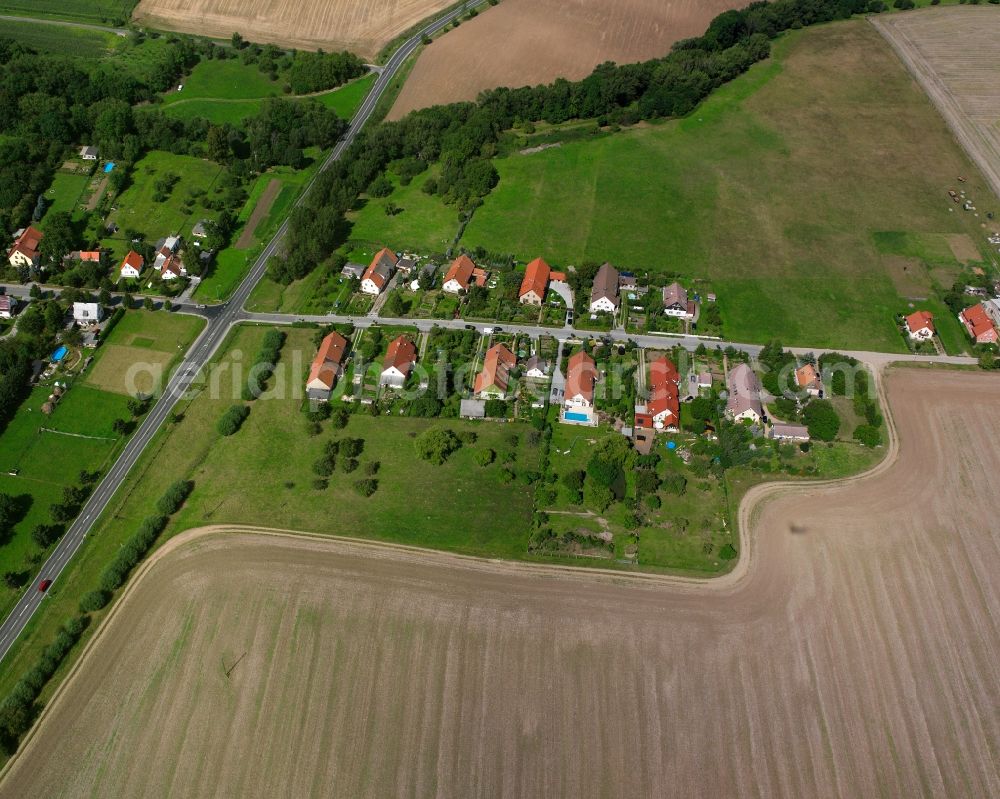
(530, 298)
(369, 286)
(603, 305)
(392, 377)
(453, 287)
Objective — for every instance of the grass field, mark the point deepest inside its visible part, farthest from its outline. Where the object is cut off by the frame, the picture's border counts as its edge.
(79, 42)
(776, 189)
(138, 207)
(65, 191)
(112, 12)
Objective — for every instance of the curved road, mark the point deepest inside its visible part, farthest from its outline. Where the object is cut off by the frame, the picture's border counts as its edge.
(220, 319)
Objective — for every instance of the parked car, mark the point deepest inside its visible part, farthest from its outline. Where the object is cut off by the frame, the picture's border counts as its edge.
(43, 586)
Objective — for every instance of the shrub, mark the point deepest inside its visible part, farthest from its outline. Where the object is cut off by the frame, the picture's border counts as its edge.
(94, 600)
(46, 534)
(232, 419)
(496, 409)
(339, 418)
(348, 465)
(437, 444)
(867, 435)
(485, 457)
(728, 552)
(425, 407)
(324, 465)
(822, 420)
(320, 483)
(174, 497)
(366, 487)
(675, 484)
(371, 468)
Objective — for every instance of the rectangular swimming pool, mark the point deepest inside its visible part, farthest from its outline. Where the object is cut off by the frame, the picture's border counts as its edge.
(576, 417)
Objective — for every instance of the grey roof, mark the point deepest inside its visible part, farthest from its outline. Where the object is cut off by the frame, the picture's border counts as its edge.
(535, 362)
(353, 269)
(199, 229)
(89, 150)
(675, 295)
(744, 391)
(787, 430)
(472, 409)
(605, 284)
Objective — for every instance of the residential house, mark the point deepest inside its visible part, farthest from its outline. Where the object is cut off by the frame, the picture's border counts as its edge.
(604, 297)
(643, 432)
(784, 431)
(494, 379)
(88, 256)
(398, 362)
(87, 313)
(536, 367)
(88, 153)
(676, 302)
(200, 230)
(25, 251)
(164, 249)
(535, 283)
(405, 265)
(663, 405)
(920, 325)
(744, 395)
(462, 274)
(427, 269)
(979, 324)
(578, 401)
(132, 265)
(353, 270)
(172, 268)
(8, 306)
(327, 367)
(379, 272)
(472, 408)
(808, 380)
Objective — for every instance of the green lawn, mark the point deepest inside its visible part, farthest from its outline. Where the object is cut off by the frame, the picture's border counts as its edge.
(777, 189)
(425, 224)
(79, 42)
(138, 207)
(230, 79)
(346, 100)
(65, 192)
(113, 12)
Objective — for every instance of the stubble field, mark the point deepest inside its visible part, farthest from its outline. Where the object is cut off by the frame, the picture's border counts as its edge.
(525, 42)
(854, 652)
(362, 26)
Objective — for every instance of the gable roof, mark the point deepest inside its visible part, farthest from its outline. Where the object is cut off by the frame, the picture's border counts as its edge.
(744, 391)
(326, 365)
(920, 320)
(977, 321)
(675, 295)
(28, 243)
(497, 364)
(581, 374)
(663, 392)
(402, 354)
(461, 271)
(172, 265)
(605, 284)
(5, 303)
(536, 362)
(134, 260)
(536, 278)
(806, 376)
(380, 269)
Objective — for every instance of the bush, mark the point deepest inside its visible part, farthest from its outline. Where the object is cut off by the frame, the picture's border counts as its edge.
(339, 418)
(348, 465)
(485, 457)
(320, 483)
(675, 484)
(325, 464)
(728, 552)
(94, 600)
(371, 468)
(366, 487)
(46, 534)
(174, 497)
(867, 435)
(425, 407)
(437, 444)
(496, 409)
(128, 557)
(822, 420)
(232, 419)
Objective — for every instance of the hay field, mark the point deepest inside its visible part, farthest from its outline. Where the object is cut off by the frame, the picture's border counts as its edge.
(854, 652)
(525, 42)
(954, 53)
(362, 26)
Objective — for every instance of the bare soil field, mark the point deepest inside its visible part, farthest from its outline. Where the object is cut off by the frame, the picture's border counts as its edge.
(260, 212)
(855, 651)
(954, 53)
(526, 42)
(362, 26)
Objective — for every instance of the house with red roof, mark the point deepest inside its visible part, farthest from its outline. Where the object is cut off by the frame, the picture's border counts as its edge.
(535, 283)
(808, 380)
(920, 325)
(979, 325)
(326, 367)
(8, 306)
(462, 275)
(664, 406)
(25, 251)
(494, 379)
(398, 362)
(132, 265)
(379, 272)
(578, 401)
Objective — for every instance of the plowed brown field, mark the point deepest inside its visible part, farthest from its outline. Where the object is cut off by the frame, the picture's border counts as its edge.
(362, 26)
(855, 652)
(525, 42)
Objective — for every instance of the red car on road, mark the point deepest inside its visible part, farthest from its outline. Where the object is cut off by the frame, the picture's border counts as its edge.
(43, 586)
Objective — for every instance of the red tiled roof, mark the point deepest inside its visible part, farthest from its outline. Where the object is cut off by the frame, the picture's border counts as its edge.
(326, 365)
(480, 276)
(28, 242)
(134, 260)
(90, 255)
(663, 393)
(536, 278)
(496, 368)
(643, 421)
(401, 354)
(384, 258)
(806, 376)
(461, 271)
(920, 320)
(978, 323)
(581, 374)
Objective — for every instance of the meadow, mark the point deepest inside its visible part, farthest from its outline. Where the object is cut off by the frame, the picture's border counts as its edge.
(776, 189)
(80, 42)
(114, 12)
(65, 192)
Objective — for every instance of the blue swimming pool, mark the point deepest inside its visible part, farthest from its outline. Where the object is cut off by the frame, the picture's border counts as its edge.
(59, 354)
(571, 416)
(109, 166)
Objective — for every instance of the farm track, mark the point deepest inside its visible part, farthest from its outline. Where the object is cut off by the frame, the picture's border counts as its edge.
(854, 653)
(954, 54)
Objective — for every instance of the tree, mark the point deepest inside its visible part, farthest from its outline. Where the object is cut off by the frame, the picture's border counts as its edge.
(44, 535)
(148, 303)
(485, 457)
(867, 435)
(59, 239)
(822, 420)
(436, 444)
(366, 487)
(232, 419)
(104, 297)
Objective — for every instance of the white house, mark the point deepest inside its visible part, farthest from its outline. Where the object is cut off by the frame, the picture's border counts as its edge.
(536, 367)
(676, 302)
(920, 325)
(604, 296)
(744, 395)
(132, 265)
(169, 246)
(379, 272)
(8, 306)
(398, 362)
(87, 313)
(172, 268)
(88, 153)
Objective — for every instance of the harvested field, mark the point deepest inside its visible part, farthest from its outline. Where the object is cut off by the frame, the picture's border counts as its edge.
(954, 53)
(525, 42)
(854, 652)
(362, 26)
(260, 211)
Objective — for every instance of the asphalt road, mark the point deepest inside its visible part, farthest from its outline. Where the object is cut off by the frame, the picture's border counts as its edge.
(220, 320)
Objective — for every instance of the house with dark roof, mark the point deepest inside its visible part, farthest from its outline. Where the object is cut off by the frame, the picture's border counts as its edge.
(676, 302)
(398, 362)
(604, 295)
(88, 153)
(743, 403)
(8, 306)
(494, 379)
(536, 367)
(379, 272)
(326, 367)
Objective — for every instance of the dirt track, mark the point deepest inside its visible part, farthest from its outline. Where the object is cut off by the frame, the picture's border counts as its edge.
(854, 653)
(954, 53)
(525, 42)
